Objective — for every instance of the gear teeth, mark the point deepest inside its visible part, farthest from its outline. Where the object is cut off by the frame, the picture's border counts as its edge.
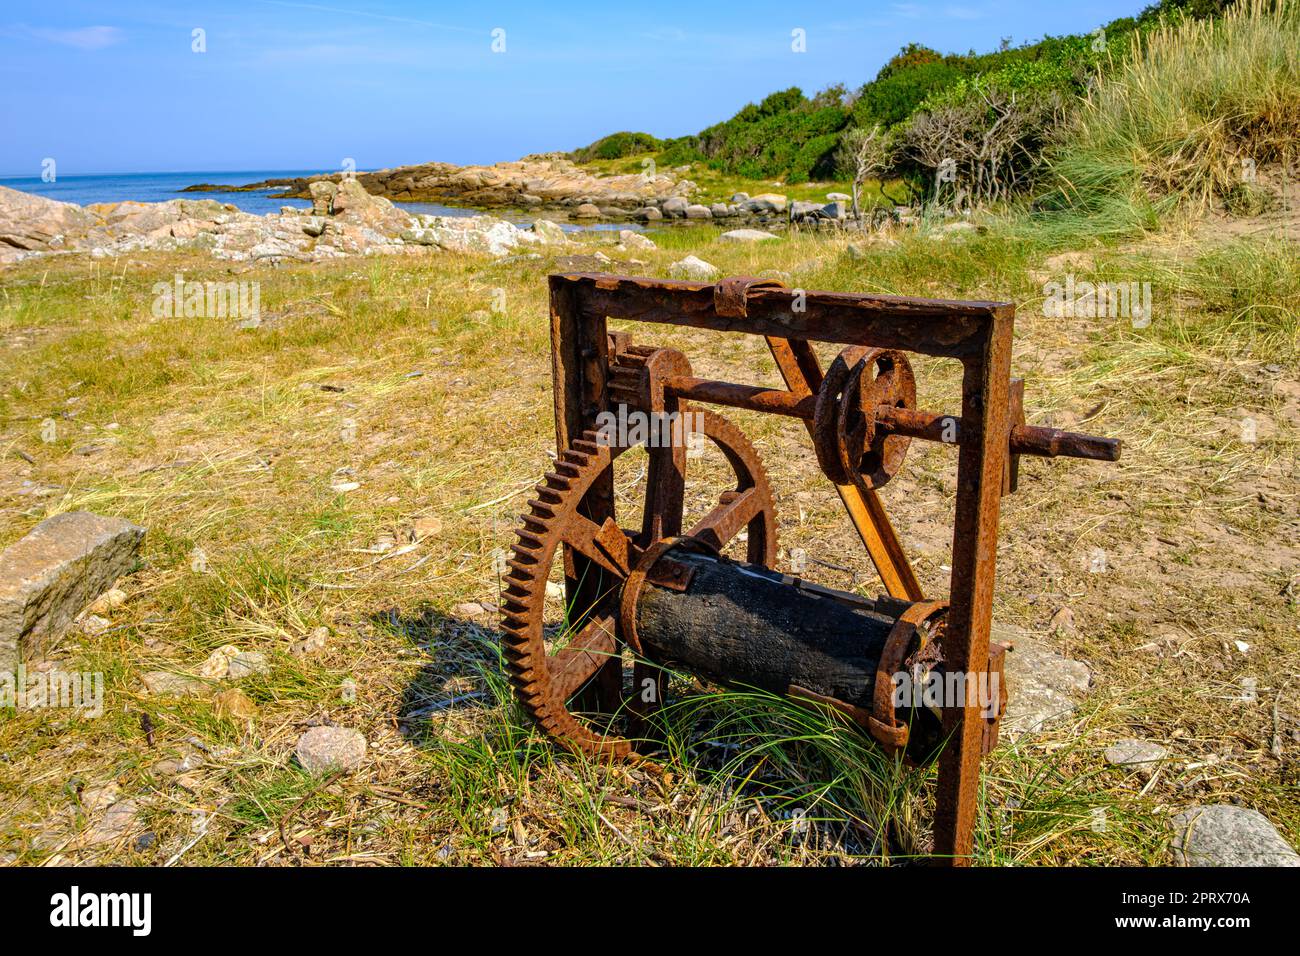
(523, 567)
(528, 567)
(532, 539)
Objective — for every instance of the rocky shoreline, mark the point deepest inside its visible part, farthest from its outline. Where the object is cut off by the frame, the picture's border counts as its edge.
(344, 221)
(554, 183)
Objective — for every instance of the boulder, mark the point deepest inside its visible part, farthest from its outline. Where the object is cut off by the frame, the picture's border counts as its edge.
(48, 577)
(1042, 684)
(747, 235)
(587, 211)
(765, 202)
(483, 234)
(648, 214)
(839, 197)
(801, 209)
(693, 268)
(31, 222)
(740, 198)
(675, 207)
(322, 197)
(697, 211)
(549, 231)
(1226, 835)
(634, 240)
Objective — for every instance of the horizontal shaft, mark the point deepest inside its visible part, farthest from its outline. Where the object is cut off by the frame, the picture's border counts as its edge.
(1024, 439)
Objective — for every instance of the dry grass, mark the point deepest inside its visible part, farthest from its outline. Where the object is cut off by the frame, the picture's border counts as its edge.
(230, 441)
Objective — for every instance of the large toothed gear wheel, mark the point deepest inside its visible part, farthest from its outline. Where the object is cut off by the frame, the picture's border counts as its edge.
(547, 681)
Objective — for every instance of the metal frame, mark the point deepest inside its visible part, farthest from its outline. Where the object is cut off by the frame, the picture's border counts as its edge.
(977, 334)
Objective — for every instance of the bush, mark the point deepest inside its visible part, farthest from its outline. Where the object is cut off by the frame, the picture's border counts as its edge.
(1195, 99)
(616, 146)
(791, 136)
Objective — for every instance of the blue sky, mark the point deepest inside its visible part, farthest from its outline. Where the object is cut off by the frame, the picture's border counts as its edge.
(115, 86)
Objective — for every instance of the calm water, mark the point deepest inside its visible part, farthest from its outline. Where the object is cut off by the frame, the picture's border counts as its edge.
(160, 187)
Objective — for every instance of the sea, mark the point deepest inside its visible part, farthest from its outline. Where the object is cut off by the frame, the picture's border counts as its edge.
(160, 187)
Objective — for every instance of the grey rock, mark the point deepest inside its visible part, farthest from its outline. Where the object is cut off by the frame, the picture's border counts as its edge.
(168, 684)
(116, 824)
(634, 240)
(836, 210)
(720, 210)
(313, 225)
(693, 268)
(801, 209)
(326, 749)
(1042, 684)
(747, 235)
(549, 231)
(675, 207)
(839, 197)
(247, 664)
(697, 211)
(765, 203)
(740, 198)
(1224, 835)
(1144, 756)
(587, 211)
(648, 214)
(48, 577)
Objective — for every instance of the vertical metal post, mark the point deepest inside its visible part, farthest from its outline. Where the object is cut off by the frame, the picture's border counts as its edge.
(980, 467)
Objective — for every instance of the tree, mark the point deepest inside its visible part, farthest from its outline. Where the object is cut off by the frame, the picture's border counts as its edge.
(866, 153)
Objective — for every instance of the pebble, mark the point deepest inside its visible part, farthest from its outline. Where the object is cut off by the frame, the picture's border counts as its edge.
(167, 684)
(234, 704)
(313, 643)
(107, 602)
(1143, 756)
(217, 666)
(116, 823)
(248, 664)
(326, 749)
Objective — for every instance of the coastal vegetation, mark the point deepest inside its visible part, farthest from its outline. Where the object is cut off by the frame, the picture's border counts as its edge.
(1007, 117)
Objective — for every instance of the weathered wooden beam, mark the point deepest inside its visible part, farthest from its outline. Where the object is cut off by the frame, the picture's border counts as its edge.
(931, 326)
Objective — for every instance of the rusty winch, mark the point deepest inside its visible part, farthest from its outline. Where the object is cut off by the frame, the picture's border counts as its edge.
(636, 599)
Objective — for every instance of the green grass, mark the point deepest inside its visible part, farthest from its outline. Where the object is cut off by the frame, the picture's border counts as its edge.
(249, 454)
(1172, 127)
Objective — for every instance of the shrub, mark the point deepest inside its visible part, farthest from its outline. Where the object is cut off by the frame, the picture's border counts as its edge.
(1194, 100)
(616, 146)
